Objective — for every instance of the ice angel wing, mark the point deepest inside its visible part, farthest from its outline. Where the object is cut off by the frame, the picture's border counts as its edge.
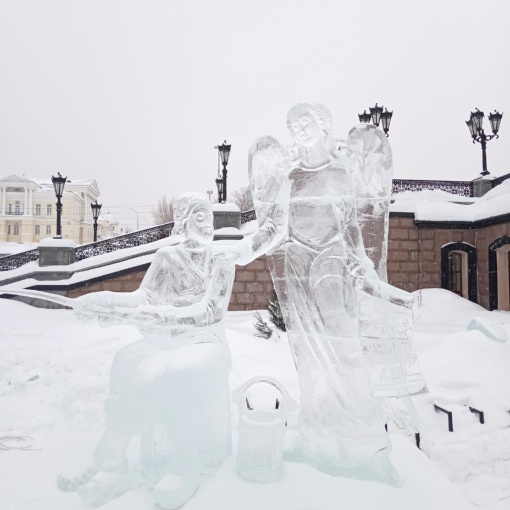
(370, 164)
(267, 165)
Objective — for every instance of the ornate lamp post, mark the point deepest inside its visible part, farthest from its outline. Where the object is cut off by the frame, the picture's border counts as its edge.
(475, 125)
(58, 184)
(221, 182)
(377, 116)
(96, 209)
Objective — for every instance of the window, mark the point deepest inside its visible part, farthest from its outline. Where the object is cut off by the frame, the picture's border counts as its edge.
(8, 230)
(17, 207)
(459, 270)
(456, 272)
(48, 229)
(38, 209)
(16, 229)
(48, 209)
(37, 230)
(10, 208)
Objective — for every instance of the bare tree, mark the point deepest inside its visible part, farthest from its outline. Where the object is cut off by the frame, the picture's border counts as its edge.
(242, 198)
(164, 211)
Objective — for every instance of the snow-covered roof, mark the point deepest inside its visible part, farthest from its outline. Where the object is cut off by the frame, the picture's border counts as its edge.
(15, 178)
(436, 205)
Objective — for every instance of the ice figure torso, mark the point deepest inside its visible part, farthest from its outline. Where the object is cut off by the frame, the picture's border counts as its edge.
(320, 201)
(182, 279)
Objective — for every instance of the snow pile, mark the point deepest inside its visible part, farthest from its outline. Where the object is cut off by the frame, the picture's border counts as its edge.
(54, 378)
(489, 329)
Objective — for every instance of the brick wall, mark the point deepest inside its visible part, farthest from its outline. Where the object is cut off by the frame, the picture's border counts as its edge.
(414, 254)
(125, 283)
(253, 286)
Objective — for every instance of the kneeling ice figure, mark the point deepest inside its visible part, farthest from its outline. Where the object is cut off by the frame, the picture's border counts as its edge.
(170, 387)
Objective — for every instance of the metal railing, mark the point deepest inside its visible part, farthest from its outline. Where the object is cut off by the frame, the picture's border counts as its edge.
(138, 238)
(18, 259)
(247, 216)
(462, 188)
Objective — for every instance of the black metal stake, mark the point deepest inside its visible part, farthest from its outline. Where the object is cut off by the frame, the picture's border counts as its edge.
(450, 416)
(479, 413)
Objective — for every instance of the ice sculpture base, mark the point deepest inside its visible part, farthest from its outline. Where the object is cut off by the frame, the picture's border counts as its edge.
(300, 488)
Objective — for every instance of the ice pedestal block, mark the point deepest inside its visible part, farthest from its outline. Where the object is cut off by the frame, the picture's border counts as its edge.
(330, 209)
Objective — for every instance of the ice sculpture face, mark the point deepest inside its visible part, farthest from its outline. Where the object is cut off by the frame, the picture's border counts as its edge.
(324, 278)
(306, 129)
(193, 219)
(171, 387)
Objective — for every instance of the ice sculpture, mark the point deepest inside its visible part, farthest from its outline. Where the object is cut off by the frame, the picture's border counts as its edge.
(170, 387)
(330, 292)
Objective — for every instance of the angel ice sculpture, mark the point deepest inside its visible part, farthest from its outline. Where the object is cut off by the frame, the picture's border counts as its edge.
(328, 288)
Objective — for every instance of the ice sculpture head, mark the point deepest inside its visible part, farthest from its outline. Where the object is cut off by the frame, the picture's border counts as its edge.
(309, 123)
(193, 219)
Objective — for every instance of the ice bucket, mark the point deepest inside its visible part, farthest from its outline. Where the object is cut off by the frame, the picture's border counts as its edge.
(262, 425)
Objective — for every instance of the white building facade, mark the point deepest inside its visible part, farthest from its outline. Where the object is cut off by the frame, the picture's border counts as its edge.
(28, 210)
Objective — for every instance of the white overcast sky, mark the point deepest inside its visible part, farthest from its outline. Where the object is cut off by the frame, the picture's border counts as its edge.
(136, 94)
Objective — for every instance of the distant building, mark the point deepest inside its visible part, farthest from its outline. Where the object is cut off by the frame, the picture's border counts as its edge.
(28, 211)
(107, 226)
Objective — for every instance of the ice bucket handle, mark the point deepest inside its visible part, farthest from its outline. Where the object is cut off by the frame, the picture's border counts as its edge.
(239, 397)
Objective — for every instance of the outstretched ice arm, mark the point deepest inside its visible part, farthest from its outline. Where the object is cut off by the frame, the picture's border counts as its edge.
(271, 232)
(142, 309)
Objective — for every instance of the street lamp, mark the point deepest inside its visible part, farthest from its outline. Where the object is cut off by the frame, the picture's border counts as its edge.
(58, 184)
(221, 182)
(96, 209)
(137, 222)
(377, 116)
(475, 125)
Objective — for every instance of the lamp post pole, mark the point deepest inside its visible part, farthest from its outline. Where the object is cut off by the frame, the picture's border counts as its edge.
(377, 116)
(475, 125)
(219, 185)
(58, 185)
(96, 209)
(221, 182)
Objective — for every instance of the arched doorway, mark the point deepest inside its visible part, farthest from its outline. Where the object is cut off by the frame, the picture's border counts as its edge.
(459, 270)
(499, 274)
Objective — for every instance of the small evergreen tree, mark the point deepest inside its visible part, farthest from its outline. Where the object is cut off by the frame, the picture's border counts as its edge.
(275, 313)
(262, 327)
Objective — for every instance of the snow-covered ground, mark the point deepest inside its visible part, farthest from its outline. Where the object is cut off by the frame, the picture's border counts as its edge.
(54, 378)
